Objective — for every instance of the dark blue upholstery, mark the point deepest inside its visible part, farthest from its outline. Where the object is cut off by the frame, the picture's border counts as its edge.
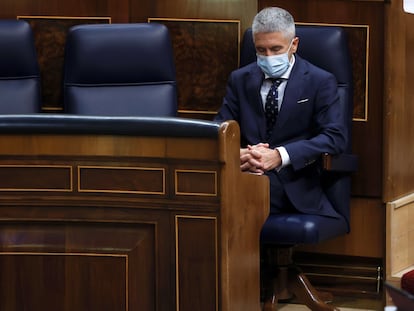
(326, 47)
(106, 125)
(120, 69)
(19, 69)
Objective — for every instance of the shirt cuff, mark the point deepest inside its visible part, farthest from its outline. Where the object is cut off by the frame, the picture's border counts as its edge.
(284, 156)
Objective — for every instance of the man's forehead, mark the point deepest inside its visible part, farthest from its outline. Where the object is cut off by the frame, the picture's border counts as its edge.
(271, 38)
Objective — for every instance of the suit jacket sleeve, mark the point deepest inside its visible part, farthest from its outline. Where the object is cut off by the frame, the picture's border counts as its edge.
(326, 130)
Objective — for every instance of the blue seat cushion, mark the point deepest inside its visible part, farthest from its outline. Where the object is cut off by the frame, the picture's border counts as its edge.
(292, 229)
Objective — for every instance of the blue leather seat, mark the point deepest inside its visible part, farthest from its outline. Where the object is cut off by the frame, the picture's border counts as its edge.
(326, 47)
(120, 70)
(19, 70)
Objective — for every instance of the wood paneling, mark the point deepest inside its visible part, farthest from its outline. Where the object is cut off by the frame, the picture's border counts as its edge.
(400, 234)
(145, 223)
(197, 236)
(399, 104)
(118, 10)
(243, 10)
(121, 179)
(26, 178)
(55, 267)
(134, 10)
(205, 53)
(398, 137)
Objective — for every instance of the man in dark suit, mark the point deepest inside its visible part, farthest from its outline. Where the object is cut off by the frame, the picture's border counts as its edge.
(301, 99)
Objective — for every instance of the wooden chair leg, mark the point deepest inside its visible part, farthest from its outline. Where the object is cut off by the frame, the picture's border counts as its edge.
(276, 277)
(306, 293)
(282, 281)
(270, 304)
(269, 293)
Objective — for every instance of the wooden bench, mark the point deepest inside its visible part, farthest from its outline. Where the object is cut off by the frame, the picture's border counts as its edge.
(118, 213)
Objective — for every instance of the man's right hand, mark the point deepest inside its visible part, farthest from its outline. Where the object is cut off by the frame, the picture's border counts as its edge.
(250, 159)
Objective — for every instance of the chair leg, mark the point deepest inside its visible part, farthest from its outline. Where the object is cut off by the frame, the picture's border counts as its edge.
(306, 293)
(275, 276)
(270, 304)
(288, 281)
(277, 290)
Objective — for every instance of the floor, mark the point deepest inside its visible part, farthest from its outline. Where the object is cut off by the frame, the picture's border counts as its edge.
(343, 304)
(292, 307)
(295, 307)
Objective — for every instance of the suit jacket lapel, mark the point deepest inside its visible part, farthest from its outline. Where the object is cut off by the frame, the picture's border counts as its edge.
(293, 92)
(253, 84)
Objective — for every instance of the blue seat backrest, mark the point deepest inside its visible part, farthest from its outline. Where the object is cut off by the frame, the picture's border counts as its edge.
(120, 69)
(327, 48)
(20, 91)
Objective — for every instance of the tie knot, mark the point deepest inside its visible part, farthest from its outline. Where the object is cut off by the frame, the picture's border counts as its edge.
(276, 82)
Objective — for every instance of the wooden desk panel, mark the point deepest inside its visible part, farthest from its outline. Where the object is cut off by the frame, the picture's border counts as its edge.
(90, 222)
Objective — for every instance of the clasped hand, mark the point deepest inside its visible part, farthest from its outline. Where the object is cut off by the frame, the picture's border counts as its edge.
(259, 158)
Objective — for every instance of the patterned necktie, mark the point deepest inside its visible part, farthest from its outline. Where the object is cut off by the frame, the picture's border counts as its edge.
(272, 106)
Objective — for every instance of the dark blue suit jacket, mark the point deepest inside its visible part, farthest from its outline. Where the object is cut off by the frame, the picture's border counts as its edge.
(309, 124)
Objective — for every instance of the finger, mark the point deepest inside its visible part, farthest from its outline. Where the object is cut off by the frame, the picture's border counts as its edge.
(245, 166)
(254, 163)
(256, 153)
(263, 145)
(256, 171)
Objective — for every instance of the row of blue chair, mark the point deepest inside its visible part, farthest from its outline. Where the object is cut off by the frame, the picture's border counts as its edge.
(109, 69)
(19, 69)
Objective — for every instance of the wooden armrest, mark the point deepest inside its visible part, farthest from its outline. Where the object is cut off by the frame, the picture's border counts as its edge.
(341, 162)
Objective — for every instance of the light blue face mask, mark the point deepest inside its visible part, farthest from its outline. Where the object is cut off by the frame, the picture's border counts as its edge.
(274, 65)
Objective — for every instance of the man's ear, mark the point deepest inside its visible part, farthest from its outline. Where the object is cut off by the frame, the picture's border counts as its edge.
(295, 44)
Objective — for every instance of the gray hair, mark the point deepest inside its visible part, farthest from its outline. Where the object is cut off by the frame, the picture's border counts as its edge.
(274, 19)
